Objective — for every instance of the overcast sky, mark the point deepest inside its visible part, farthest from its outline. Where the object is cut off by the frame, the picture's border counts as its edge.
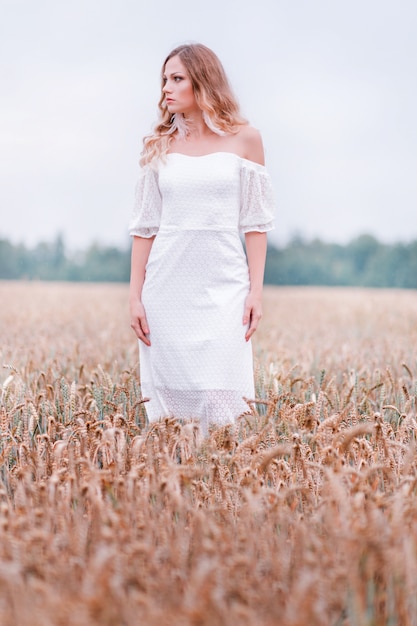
(330, 84)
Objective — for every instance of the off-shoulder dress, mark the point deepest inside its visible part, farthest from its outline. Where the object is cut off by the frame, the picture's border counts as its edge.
(199, 364)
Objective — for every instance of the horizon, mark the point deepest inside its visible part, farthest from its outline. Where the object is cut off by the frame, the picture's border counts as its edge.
(296, 237)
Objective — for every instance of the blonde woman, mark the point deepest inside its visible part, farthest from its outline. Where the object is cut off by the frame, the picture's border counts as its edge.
(195, 297)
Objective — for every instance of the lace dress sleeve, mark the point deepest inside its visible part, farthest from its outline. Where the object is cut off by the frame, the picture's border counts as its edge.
(147, 208)
(257, 206)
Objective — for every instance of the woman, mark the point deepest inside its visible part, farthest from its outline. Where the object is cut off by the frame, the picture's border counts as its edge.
(195, 298)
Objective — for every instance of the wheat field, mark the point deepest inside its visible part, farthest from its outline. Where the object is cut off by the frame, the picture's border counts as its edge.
(303, 513)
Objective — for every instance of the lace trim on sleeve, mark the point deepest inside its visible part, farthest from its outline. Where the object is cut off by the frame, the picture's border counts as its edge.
(146, 215)
(257, 199)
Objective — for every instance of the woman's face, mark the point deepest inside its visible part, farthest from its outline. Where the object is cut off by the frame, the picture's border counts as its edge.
(178, 90)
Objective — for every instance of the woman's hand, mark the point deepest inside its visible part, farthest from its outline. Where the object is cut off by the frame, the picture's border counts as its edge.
(138, 321)
(252, 313)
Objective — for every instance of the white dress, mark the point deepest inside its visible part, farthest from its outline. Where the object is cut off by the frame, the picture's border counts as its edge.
(199, 364)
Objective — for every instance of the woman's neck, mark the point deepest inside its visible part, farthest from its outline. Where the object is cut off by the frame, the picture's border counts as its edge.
(196, 126)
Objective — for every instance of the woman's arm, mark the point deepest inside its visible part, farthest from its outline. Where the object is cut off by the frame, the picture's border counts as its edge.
(141, 248)
(256, 254)
(255, 245)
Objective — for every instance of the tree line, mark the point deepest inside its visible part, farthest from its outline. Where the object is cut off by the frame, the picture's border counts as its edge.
(364, 261)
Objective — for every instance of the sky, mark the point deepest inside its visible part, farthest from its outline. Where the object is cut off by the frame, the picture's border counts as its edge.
(331, 85)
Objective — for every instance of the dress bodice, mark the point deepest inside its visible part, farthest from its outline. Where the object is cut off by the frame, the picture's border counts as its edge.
(217, 191)
(200, 192)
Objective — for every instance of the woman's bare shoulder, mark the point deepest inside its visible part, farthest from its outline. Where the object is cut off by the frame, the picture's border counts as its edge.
(251, 144)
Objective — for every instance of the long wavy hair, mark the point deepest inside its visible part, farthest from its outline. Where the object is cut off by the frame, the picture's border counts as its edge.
(213, 96)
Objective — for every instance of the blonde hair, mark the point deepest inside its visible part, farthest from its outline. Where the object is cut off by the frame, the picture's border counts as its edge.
(213, 95)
